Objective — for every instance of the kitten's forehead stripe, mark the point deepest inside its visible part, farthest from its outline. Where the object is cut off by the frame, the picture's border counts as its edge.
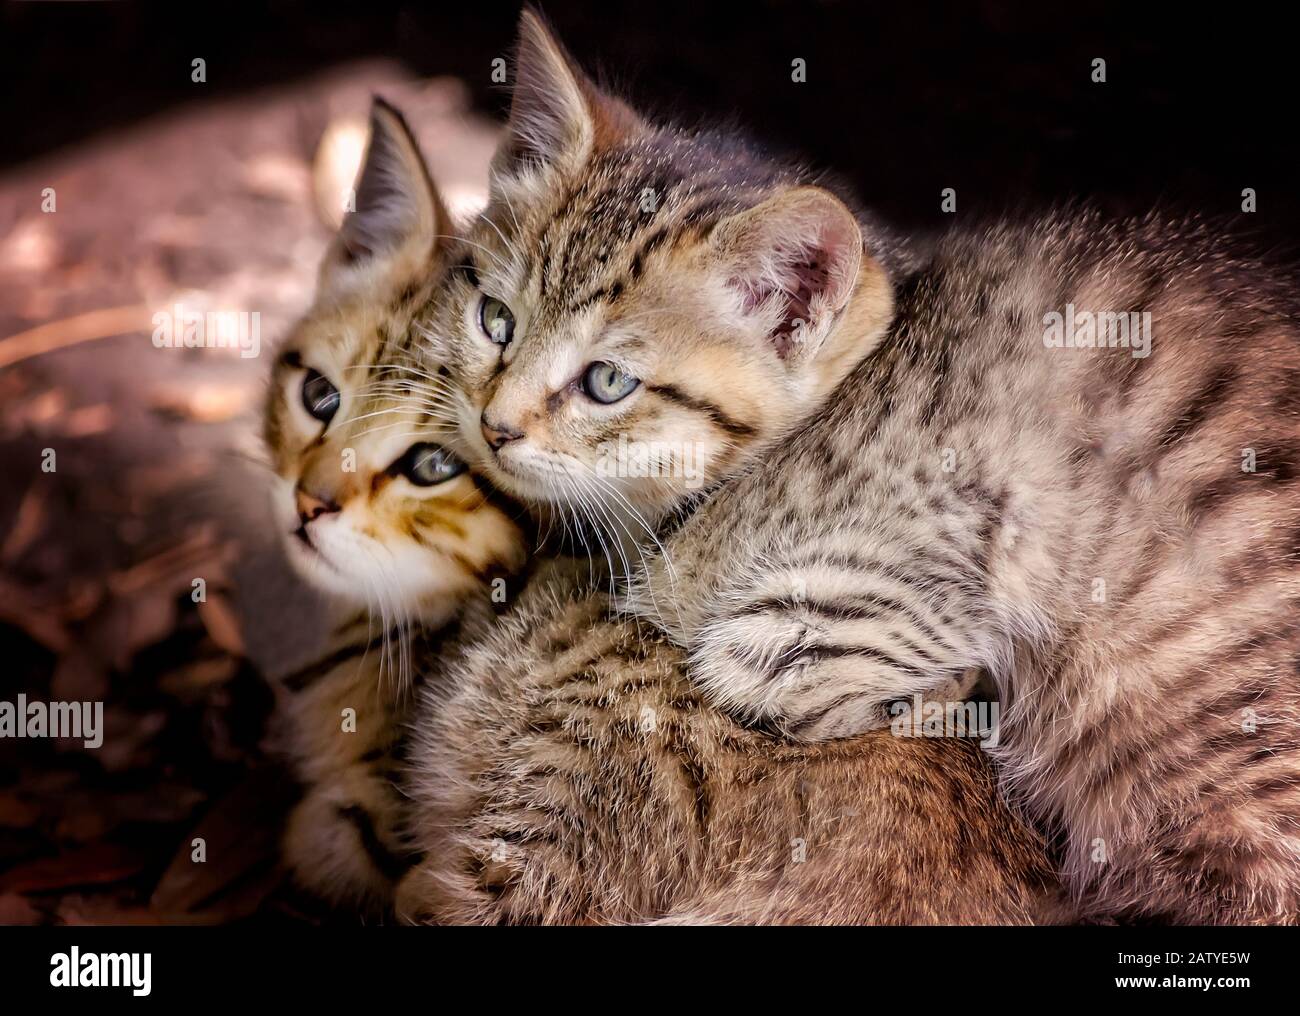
(630, 203)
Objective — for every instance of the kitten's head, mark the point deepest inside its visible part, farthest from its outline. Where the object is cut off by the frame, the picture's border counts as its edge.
(372, 505)
(640, 309)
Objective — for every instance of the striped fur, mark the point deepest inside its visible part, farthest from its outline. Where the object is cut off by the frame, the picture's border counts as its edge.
(567, 772)
(414, 559)
(345, 841)
(1077, 521)
(709, 272)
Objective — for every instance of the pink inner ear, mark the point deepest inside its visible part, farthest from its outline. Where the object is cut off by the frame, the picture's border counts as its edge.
(799, 282)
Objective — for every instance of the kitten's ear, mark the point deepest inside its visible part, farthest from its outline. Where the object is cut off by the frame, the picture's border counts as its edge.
(556, 111)
(793, 262)
(396, 215)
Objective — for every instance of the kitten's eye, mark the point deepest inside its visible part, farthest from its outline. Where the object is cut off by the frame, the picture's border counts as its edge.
(319, 397)
(427, 464)
(606, 383)
(495, 319)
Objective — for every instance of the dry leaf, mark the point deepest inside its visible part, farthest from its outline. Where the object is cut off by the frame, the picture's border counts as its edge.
(199, 554)
(79, 677)
(151, 481)
(77, 910)
(196, 679)
(18, 607)
(17, 910)
(125, 736)
(17, 812)
(88, 421)
(207, 403)
(90, 815)
(277, 176)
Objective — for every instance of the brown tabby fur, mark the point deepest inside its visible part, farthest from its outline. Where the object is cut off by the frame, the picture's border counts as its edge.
(571, 774)
(565, 770)
(960, 498)
(414, 560)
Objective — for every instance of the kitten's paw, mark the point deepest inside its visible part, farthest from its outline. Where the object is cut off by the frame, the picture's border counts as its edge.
(780, 671)
(341, 843)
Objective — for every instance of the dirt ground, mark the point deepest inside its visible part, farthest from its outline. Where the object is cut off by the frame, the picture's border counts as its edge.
(130, 471)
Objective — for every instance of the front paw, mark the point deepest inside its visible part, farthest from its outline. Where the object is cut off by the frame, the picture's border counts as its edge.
(341, 845)
(785, 674)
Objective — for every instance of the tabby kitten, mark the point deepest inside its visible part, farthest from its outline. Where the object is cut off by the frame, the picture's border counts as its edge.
(375, 511)
(643, 300)
(1110, 531)
(566, 770)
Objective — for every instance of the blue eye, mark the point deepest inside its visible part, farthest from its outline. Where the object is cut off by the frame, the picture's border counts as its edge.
(496, 321)
(605, 383)
(319, 396)
(426, 465)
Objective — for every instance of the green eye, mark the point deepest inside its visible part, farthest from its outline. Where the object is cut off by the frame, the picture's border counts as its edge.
(605, 383)
(427, 464)
(319, 396)
(495, 319)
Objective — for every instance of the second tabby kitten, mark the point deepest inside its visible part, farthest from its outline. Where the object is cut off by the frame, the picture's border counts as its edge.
(375, 511)
(566, 770)
(1110, 531)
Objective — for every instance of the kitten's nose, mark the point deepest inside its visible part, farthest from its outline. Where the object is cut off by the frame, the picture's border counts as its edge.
(310, 506)
(497, 435)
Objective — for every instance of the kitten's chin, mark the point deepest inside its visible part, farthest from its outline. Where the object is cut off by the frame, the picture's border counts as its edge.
(421, 588)
(522, 471)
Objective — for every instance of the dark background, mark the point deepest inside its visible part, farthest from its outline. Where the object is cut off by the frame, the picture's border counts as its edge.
(993, 98)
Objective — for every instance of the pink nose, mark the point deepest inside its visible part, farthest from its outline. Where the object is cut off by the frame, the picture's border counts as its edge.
(310, 506)
(497, 435)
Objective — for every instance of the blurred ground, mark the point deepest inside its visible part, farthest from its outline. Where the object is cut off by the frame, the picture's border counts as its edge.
(155, 485)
